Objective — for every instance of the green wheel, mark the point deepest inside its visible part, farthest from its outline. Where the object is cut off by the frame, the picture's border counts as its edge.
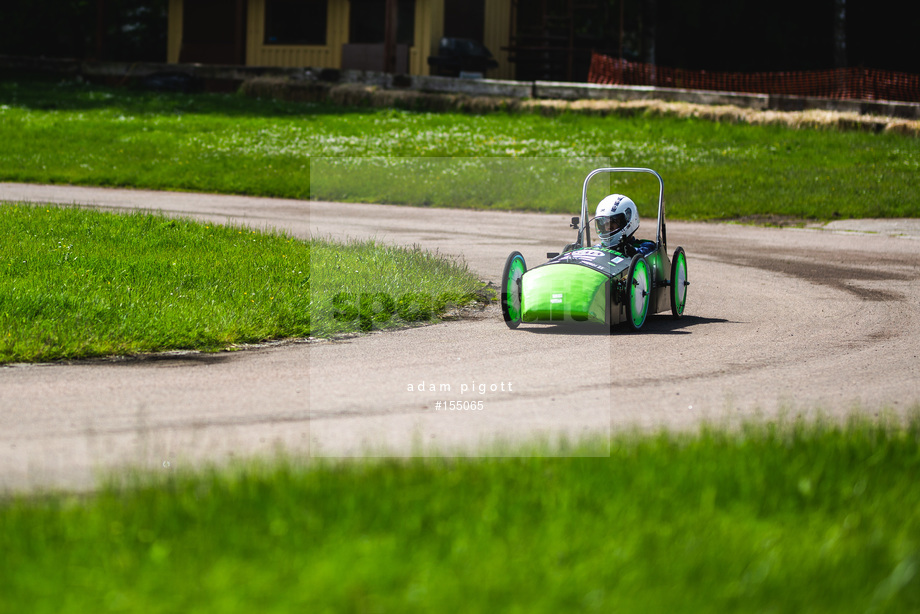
(679, 282)
(511, 289)
(638, 292)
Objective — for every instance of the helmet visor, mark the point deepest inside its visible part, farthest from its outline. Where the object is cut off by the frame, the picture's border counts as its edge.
(609, 224)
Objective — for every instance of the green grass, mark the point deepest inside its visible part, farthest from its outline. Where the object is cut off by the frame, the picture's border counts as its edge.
(804, 517)
(76, 283)
(69, 133)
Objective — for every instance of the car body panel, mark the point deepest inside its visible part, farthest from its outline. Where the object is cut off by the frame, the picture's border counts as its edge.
(606, 261)
(564, 292)
(581, 286)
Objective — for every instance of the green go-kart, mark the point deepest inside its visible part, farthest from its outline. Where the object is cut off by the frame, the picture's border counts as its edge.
(598, 284)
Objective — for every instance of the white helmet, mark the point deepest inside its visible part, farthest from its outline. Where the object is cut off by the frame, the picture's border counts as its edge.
(616, 219)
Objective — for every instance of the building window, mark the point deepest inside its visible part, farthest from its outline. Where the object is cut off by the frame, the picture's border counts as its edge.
(295, 22)
(465, 18)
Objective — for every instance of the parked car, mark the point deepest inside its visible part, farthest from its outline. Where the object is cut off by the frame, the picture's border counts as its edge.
(461, 55)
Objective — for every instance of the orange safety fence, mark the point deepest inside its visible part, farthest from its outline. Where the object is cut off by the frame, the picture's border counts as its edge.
(848, 83)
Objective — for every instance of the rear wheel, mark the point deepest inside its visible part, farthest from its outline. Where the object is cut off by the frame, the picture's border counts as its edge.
(511, 289)
(679, 282)
(638, 292)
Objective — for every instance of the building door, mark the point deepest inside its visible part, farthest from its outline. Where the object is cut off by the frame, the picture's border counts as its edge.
(213, 32)
(367, 19)
(367, 35)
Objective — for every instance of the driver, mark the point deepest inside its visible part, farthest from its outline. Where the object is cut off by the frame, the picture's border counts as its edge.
(616, 221)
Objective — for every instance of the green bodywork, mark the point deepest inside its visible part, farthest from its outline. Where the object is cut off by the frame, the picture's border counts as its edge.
(564, 292)
(588, 285)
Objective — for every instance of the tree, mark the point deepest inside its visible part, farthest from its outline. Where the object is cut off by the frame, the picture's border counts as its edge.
(840, 33)
(649, 29)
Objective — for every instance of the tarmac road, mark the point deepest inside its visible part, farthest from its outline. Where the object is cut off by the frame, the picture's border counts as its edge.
(778, 321)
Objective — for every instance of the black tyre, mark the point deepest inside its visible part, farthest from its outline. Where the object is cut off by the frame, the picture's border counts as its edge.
(638, 292)
(679, 282)
(515, 267)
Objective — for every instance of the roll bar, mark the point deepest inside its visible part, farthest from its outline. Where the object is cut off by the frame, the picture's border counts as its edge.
(585, 230)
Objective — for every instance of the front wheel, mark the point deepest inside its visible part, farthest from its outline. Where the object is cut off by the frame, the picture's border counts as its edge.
(515, 268)
(638, 292)
(679, 282)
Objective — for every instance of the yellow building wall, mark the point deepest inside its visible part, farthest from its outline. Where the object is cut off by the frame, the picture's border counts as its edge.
(174, 31)
(496, 34)
(320, 56)
(429, 28)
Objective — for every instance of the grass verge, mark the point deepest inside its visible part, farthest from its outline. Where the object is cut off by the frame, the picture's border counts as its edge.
(76, 283)
(789, 518)
(68, 133)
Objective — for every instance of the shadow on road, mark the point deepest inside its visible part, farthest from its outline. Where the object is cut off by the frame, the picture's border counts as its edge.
(655, 325)
(164, 360)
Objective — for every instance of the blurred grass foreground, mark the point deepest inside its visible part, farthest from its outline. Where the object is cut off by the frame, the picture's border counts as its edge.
(790, 517)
